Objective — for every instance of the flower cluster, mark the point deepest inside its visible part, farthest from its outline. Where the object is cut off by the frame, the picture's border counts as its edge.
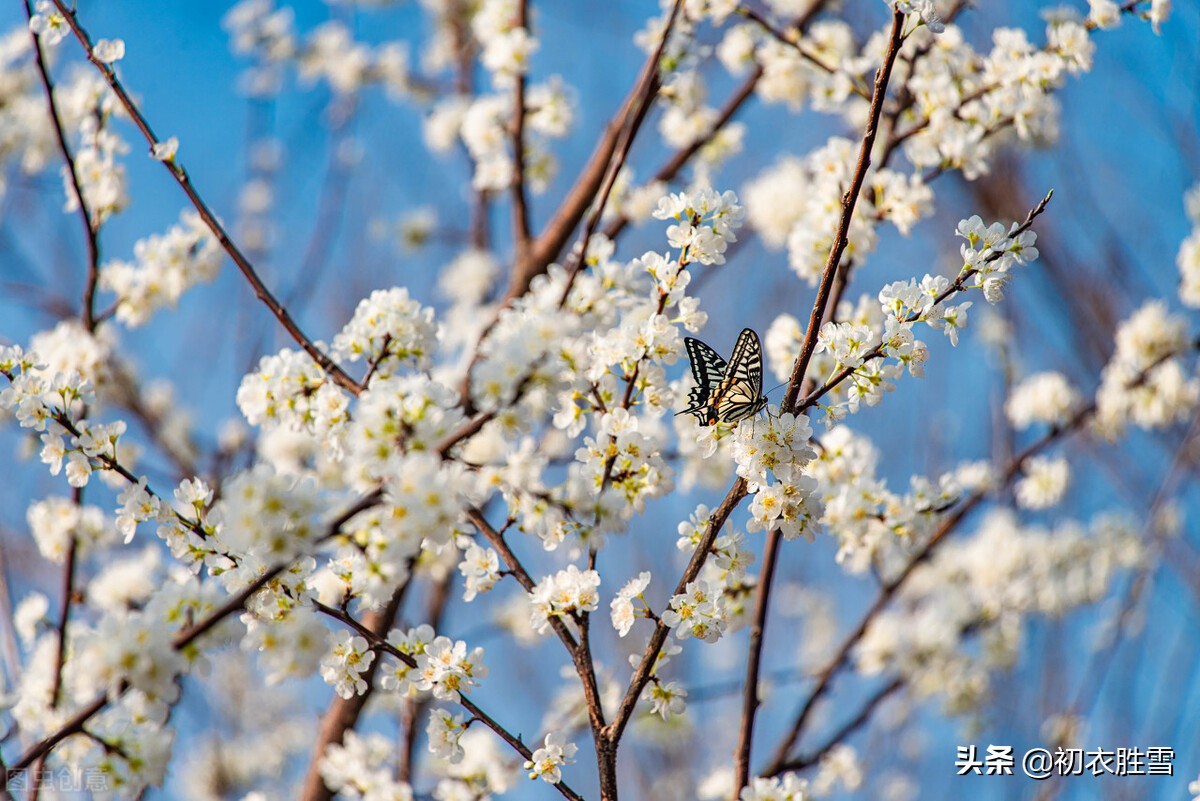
(987, 586)
(622, 609)
(165, 267)
(389, 329)
(699, 611)
(328, 53)
(445, 669)
(398, 675)
(345, 664)
(624, 460)
(507, 46)
(482, 126)
(798, 202)
(101, 175)
(292, 390)
(1189, 252)
(262, 519)
(866, 517)
(1147, 382)
(445, 731)
(788, 787)
(705, 224)
(50, 26)
(359, 767)
(566, 594)
(480, 568)
(548, 760)
(1044, 483)
(1046, 398)
(772, 458)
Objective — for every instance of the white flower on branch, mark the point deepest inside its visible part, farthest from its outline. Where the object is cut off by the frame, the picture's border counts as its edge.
(624, 613)
(109, 50)
(345, 663)
(565, 594)
(548, 760)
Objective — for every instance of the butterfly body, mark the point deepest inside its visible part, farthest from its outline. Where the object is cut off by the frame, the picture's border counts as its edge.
(726, 391)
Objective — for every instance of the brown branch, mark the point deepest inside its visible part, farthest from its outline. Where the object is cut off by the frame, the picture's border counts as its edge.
(849, 199)
(889, 589)
(467, 430)
(380, 644)
(46, 745)
(60, 653)
(181, 177)
(464, 86)
(90, 229)
(750, 699)
(342, 714)
(520, 203)
(641, 676)
(848, 728)
(554, 237)
(648, 86)
(64, 615)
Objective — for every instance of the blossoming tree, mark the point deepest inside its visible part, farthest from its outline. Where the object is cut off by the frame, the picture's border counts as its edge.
(443, 518)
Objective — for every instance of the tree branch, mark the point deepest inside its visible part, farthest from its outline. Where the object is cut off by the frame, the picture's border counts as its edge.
(520, 206)
(176, 169)
(750, 699)
(890, 588)
(849, 200)
(554, 237)
(342, 714)
(90, 232)
(381, 644)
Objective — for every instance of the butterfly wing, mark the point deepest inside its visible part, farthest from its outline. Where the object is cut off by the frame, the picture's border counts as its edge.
(740, 394)
(708, 369)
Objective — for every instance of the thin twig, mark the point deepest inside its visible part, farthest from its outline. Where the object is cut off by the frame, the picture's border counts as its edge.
(849, 200)
(181, 177)
(848, 728)
(750, 699)
(889, 589)
(380, 644)
(959, 284)
(90, 232)
(792, 38)
(648, 84)
(520, 202)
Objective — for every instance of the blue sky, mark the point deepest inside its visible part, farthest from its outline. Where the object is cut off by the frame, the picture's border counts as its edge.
(1128, 151)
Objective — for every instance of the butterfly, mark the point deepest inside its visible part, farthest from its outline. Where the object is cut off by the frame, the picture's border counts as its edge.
(725, 392)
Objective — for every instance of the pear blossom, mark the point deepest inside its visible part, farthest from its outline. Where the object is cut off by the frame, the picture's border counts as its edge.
(548, 760)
